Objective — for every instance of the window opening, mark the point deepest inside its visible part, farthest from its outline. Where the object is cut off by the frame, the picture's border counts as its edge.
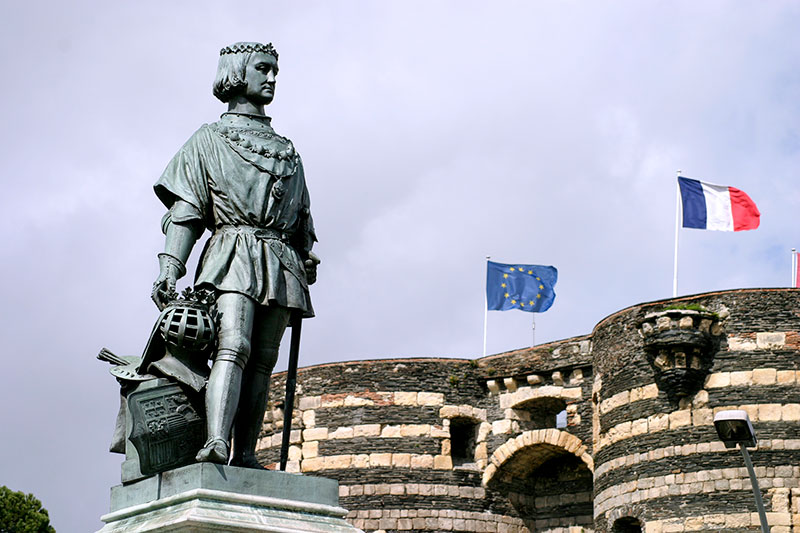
(561, 419)
(463, 434)
(542, 413)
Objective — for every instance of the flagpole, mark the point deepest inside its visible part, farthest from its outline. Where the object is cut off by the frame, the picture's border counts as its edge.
(533, 328)
(485, 310)
(794, 268)
(677, 228)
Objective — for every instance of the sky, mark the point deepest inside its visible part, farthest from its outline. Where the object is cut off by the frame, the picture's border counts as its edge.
(433, 134)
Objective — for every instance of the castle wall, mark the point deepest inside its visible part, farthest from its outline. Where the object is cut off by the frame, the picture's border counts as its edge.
(382, 429)
(576, 435)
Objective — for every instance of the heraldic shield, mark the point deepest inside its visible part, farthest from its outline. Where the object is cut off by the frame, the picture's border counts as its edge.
(166, 428)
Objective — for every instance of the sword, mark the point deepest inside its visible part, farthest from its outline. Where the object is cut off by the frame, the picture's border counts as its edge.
(291, 385)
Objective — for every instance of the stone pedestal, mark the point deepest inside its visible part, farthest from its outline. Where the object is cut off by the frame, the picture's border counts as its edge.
(205, 497)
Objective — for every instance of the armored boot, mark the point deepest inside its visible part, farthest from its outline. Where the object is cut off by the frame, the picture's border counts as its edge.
(250, 419)
(222, 398)
(267, 335)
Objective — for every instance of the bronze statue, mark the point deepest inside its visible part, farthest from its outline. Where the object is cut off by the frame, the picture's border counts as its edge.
(244, 183)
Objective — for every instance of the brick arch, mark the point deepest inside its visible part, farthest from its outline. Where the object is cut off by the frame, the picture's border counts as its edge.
(540, 445)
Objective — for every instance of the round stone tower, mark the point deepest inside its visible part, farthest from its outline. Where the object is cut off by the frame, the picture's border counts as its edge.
(662, 370)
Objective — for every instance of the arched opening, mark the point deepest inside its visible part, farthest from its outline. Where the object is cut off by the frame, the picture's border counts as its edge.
(546, 485)
(627, 524)
(542, 413)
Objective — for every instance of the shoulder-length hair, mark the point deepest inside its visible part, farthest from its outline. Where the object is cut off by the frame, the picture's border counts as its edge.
(230, 74)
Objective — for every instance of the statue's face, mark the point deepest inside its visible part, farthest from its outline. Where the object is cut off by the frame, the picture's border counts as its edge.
(260, 78)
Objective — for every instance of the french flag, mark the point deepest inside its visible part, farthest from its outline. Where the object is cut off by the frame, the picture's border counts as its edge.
(716, 207)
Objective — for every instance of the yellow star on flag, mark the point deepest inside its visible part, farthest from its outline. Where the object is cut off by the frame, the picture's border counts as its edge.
(509, 286)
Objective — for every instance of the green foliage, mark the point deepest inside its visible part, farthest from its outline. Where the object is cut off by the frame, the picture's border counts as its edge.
(454, 381)
(22, 513)
(686, 307)
(473, 363)
(690, 307)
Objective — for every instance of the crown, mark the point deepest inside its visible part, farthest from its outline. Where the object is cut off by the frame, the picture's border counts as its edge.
(197, 299)
(240, 48)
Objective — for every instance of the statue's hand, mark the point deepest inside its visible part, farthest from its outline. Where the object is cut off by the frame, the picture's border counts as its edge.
(310, 265)
(164, 286)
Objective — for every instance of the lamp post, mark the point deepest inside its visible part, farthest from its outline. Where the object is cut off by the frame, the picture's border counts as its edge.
(734, 428)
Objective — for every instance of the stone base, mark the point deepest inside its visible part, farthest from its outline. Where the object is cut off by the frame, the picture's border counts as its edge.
(205, 497)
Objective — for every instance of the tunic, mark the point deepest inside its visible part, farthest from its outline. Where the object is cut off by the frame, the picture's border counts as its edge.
(245, 183)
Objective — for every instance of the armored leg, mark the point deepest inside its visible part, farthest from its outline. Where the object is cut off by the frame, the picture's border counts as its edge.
(270, 324)
(225, 383)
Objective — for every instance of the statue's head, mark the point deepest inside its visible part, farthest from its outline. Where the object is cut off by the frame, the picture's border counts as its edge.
(248, 70)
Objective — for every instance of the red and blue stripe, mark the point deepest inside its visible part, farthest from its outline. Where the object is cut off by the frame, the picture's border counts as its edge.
(716, 207)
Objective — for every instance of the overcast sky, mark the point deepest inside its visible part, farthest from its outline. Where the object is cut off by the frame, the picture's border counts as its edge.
(433, 134)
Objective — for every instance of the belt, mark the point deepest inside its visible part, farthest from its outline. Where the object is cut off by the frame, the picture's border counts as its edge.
(261, 233)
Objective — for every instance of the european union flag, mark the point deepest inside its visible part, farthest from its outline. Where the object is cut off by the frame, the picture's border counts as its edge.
(524, 287)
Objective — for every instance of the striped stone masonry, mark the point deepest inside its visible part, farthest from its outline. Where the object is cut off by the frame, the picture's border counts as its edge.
(574, 436)
(687, 450)
(421, 489)
(757, 376)
(701, 482)
(779, 523)
(451, 520)
(698, 413)
(437, 520)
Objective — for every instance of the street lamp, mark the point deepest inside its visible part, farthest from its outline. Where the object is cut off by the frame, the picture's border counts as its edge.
(734, 428)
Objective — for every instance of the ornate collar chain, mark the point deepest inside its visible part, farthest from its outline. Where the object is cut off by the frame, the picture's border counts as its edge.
(253, 141)
(267, 134)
